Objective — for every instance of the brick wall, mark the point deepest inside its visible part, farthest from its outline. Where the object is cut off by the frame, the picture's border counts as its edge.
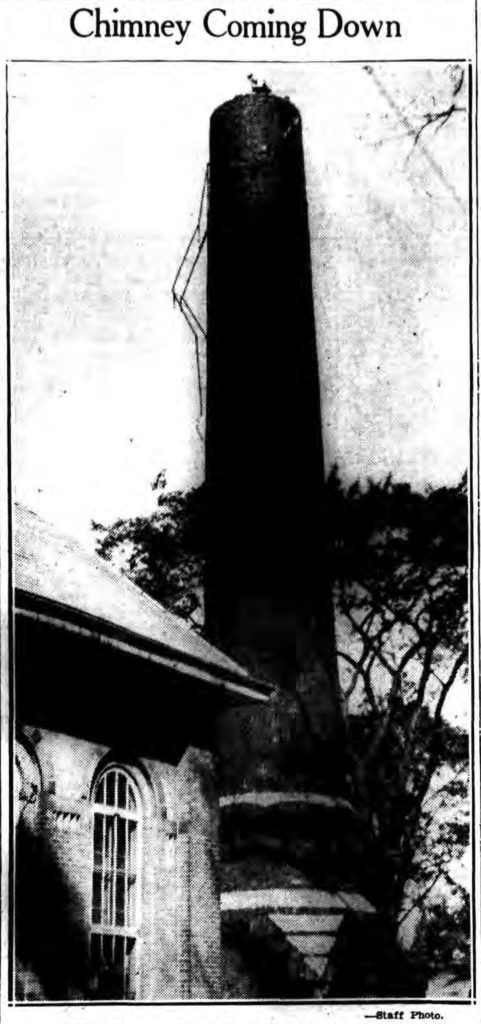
(200, 913)
(179, 929)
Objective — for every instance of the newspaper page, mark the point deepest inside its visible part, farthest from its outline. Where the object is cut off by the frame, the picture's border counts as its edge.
(239, 530)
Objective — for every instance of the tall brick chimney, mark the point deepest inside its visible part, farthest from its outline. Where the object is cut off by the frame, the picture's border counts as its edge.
(268, 596)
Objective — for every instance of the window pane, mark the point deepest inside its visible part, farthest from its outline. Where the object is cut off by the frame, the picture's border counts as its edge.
(121, 826)
(110, 781)
(107, 909)
(113, 963)
(131, 868)
(131, 844)
(96, 898)
(100, 792)
(122, 784)
(119, 954)
(132, 801)
(97, 840)
(120, 900)
(130, 901)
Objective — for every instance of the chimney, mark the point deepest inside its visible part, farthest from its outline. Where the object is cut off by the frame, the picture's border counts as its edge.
(268, 592)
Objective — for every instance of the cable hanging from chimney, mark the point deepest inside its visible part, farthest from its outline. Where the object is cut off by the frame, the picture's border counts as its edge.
(183, 278)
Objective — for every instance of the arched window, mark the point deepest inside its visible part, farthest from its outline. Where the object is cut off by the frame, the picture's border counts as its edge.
(115, 889)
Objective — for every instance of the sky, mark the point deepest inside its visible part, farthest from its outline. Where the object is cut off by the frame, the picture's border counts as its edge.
(106, 169)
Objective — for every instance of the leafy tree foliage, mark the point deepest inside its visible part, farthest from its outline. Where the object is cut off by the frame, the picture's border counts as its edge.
(400, 584)
(398, 560)
(163, 553)
(443, 938)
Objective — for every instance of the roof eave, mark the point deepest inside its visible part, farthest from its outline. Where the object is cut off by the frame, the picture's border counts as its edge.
(240, 688)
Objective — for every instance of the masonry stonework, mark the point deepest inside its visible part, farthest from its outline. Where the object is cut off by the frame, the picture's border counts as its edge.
(178, 933)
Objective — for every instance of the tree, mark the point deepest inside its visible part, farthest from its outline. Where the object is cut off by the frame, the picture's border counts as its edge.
(400, 583)
(433, 922)
(399, 570)
(163, 553)
(444, 938)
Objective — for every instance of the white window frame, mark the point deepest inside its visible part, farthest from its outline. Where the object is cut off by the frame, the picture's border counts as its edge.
(104, 931)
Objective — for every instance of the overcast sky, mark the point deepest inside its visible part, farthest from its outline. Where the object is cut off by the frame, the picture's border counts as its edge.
(107, 163)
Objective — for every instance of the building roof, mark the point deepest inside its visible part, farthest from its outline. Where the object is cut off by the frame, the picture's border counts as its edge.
(56, 579)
